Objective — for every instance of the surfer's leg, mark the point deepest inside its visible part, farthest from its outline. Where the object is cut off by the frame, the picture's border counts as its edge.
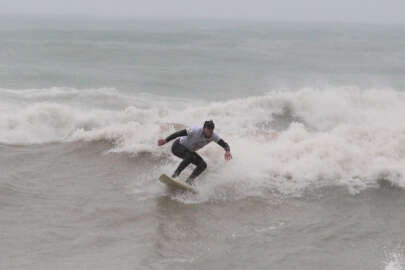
(186, 161)
(182, 152)
(201, 166)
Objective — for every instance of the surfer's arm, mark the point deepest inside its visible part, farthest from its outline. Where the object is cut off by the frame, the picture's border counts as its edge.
(227, 149)
(224, 145)
(179, 133)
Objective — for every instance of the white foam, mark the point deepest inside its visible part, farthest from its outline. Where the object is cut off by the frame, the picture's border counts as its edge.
(394, 261)
(340, 136)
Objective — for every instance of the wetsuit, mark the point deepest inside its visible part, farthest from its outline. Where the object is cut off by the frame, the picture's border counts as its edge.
(191, 140)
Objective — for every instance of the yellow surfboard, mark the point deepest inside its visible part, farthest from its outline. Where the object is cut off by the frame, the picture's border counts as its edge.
(173, 183)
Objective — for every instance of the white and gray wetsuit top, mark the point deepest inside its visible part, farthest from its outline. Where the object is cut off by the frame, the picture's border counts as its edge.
(195, 138)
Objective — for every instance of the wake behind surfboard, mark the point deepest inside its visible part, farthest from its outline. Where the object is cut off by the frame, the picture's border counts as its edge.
(175, 184)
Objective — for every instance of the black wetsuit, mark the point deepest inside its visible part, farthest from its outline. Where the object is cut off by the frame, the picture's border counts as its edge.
(189, 156)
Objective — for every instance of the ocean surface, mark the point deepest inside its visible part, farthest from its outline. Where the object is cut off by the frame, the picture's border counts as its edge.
(314, 114)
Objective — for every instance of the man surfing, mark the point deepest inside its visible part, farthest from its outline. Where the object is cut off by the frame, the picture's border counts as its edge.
(191, 140)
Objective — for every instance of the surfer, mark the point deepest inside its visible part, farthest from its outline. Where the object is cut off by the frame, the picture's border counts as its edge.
(191, 140)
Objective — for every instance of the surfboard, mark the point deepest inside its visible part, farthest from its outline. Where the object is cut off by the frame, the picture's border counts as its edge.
(173, 183)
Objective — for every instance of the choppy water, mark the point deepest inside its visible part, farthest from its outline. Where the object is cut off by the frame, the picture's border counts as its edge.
(314, 114)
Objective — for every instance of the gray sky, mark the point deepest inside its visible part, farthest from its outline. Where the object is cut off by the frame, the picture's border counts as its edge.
(373, 11)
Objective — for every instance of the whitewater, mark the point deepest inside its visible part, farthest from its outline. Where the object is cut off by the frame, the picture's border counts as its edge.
(288, 140)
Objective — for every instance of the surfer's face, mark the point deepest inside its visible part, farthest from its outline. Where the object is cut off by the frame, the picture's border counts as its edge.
(207, 132)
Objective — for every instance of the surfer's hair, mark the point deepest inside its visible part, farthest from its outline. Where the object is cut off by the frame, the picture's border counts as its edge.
(209, 124)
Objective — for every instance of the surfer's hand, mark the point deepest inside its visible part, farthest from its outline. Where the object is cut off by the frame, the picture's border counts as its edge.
(228, 155)
(161, 142)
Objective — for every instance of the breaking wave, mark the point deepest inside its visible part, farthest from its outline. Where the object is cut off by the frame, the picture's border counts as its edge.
(288, 140)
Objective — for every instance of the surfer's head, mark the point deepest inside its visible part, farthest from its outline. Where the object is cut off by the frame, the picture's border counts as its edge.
(208, 128)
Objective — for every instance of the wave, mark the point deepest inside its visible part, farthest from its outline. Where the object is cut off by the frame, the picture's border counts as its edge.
(288, 140)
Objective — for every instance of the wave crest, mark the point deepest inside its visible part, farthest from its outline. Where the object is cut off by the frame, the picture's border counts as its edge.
(284, 139)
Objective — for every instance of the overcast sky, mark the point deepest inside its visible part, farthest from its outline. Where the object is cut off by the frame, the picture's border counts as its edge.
(373, 11)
